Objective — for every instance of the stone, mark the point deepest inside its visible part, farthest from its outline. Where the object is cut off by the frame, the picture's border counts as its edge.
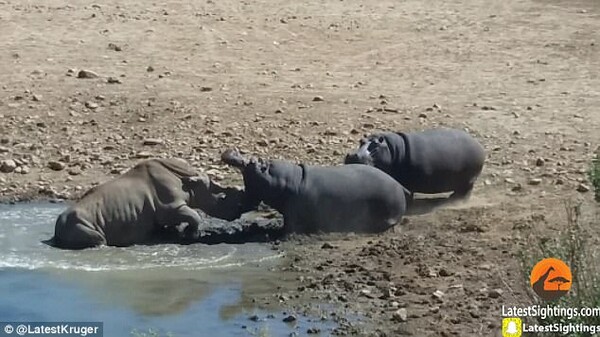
(290, 319)
(143, 154)
(540, 162)
(400, 315)
(438, 294)
(318, 99)
(56, 165)
(113, 80)
(495, 293)
(91, 105)
(152, 141)
(583, 188)
(7, 166)
(87, 74)
(534, 181)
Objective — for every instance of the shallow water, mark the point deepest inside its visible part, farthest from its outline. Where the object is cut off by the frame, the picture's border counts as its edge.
(191, 290)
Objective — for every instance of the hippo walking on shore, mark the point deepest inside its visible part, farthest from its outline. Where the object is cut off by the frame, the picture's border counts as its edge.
(432, 161)
(153, 194)
(313, 198)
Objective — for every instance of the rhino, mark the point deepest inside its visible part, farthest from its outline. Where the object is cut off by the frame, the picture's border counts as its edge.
(153, 194)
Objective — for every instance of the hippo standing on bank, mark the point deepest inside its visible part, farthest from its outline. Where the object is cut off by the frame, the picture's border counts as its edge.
(153, 194)
(432, 161)
(330, 199)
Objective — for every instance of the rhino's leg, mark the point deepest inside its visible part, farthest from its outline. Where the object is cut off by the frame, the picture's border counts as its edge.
(191, 217)
(80, 236)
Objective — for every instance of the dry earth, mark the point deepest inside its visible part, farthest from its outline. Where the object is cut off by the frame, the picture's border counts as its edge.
(303, 81)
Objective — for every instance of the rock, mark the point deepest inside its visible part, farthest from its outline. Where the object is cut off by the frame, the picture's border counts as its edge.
(327, 245)
(438, 294)
(583, 188)
(152, 141)
(318, 99)
(150, 69)
(534, 181)
(517, 188)
(91, 105)
(4, 149)
(36, 98)
(143, 154)
(400, 315)
(206, 89)
(422, 115)
(113, 80)
(540, 162)
(495, 293)
(87, 74)
(56, 165)
(7, 166)
(290, 319)
(253, 318)
(313, 330)
(262, 142)
(114, 47)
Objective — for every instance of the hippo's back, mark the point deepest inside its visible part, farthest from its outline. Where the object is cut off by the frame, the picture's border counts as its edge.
(440, 160)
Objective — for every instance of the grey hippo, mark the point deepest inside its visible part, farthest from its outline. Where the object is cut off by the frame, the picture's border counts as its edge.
(153, 194)
(432, 161)
(342, 198)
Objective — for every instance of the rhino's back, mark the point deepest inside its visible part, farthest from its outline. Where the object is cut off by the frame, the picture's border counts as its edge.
(162, 166)
(119, 201)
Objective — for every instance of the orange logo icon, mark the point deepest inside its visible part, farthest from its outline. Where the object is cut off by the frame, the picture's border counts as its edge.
(551, 279)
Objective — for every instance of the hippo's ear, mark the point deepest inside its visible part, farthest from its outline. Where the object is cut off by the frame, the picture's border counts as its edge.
(234, 158)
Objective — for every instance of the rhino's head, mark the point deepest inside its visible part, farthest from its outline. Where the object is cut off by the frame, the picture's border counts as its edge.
(212, 199)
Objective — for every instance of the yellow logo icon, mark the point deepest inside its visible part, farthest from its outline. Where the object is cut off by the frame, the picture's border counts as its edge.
(512, 327)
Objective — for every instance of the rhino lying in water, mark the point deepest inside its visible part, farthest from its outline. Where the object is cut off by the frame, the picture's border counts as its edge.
(153, 194)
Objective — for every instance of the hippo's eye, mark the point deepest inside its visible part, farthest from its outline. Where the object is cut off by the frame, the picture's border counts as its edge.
(372, 146)
(381, 139)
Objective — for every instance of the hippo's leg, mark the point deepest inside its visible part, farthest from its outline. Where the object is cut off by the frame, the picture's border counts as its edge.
(191, 217)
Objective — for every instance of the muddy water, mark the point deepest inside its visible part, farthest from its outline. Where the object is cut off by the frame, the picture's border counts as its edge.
(194, 290)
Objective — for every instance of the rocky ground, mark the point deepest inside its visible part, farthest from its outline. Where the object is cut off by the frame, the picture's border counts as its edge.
(87, 90)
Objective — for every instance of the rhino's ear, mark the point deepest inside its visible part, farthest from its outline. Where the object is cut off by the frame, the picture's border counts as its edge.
(195, 181)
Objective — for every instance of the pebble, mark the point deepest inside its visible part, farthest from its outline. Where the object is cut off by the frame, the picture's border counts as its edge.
(535, 181)
(113, 80)
(438, 294)
(91, 105)
(400, 315)
(143, 154)
(86, 74)
(56, 166)
(495, 293)
(289, 319)
(4, 149)
(313, 330)
(540, 162)
(152, 141)
(7, 166)
(583, 188)
(318, 99)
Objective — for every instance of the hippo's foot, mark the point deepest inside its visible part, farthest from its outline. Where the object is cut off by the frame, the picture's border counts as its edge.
(462, 194)
(234, 158)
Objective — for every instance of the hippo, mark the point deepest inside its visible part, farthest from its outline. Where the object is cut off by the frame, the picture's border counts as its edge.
(343, 198)
(430, 162)
(130, 208)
